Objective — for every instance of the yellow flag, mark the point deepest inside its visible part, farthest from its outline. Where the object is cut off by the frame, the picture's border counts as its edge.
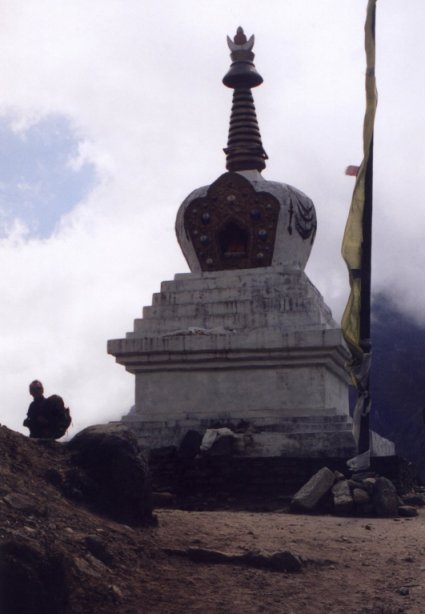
(353, 236)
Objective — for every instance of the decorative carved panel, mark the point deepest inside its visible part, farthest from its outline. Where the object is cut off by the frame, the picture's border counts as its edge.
(233, 226)
(305, 217)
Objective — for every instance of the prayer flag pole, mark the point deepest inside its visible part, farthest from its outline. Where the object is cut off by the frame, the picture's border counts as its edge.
(357, 253)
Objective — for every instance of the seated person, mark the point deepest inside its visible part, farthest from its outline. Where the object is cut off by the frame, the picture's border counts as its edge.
(46, 418)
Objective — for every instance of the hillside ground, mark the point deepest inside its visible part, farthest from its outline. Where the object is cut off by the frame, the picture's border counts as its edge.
(350, 565)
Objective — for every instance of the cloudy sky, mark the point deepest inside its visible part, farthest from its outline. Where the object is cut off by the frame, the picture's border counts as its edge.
(112, 111)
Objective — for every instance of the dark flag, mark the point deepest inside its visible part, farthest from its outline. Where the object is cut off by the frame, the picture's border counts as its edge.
(356, 251)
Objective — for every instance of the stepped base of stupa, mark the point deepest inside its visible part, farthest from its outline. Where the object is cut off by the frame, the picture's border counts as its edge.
(255, 350)
(317, 437)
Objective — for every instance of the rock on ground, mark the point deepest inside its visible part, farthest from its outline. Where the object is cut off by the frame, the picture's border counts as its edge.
(115, 476)
(385, 498)
(310, 494)
(343, 500)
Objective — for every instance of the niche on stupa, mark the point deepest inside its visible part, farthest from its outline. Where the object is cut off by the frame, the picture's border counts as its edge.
(233, 240)
(233, 226)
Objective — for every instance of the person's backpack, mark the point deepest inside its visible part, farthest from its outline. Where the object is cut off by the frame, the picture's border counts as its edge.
(58, 415)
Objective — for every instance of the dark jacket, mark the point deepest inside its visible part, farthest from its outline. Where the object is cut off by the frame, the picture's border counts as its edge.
(38, 419)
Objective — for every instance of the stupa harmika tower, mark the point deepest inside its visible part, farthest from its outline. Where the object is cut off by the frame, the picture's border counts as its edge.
(245, 337)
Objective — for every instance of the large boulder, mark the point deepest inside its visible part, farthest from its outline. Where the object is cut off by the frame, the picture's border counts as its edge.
(111, 473)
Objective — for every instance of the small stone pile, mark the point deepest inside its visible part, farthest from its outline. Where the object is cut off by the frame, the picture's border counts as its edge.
(363, 494)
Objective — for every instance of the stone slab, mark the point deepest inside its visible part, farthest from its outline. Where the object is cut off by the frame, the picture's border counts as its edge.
(310, 494)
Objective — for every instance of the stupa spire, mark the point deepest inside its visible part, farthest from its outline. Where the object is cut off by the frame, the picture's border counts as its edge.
(244, 149)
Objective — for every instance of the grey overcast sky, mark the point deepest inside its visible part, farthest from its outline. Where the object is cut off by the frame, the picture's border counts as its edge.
(112, 111)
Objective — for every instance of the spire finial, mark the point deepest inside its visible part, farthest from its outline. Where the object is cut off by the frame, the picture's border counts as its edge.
(242, 72)
(244, 147)
(240, 38)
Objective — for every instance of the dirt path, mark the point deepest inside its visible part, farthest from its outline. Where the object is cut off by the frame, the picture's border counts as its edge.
(356, 565)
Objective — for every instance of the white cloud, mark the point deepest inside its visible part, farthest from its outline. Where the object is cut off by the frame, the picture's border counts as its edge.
(141, 84)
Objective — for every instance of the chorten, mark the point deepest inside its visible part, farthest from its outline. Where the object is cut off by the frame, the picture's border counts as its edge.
(244, 340)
